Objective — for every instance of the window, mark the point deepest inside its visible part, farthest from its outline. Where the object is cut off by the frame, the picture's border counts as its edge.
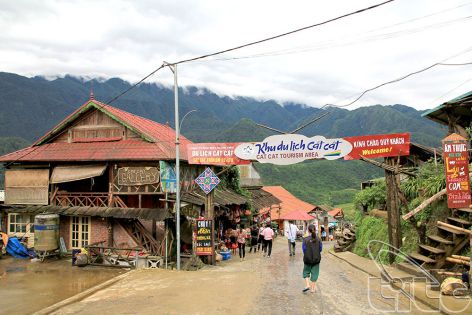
(20, 223)
(80, 231)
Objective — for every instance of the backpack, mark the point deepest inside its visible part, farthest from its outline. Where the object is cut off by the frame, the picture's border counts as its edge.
(312, 254)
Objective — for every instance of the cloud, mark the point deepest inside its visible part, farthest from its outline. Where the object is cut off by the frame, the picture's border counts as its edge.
(328, 64)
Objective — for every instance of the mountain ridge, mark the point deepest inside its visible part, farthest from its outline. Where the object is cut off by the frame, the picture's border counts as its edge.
(40, 104)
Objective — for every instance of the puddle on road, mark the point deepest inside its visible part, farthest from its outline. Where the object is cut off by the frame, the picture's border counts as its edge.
(26, 287)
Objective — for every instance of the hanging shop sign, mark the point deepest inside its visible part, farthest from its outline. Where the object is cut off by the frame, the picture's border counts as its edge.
(213, 154)
(207, 180)
(293, 148)
(203, 242)
(131, 176)
(456, 164)
(375, 146)
(168, 178)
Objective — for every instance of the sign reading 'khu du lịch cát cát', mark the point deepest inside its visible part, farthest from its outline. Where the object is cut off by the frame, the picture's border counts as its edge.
(293, 148)
(456, 166)
(203, 242)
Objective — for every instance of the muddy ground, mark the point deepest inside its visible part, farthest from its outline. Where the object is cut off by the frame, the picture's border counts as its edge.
(26, 287)
(258, 285)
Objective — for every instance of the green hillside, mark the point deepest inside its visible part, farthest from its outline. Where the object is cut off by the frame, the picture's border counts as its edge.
(320, 181)
(39, 104)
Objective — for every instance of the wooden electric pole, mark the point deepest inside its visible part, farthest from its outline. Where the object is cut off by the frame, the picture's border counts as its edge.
(393, 209)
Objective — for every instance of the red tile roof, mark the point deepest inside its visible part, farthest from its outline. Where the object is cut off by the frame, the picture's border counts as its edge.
(289, 202)
(158, 141)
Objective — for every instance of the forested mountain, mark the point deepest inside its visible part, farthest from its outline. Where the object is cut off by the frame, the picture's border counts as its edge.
(29, 107)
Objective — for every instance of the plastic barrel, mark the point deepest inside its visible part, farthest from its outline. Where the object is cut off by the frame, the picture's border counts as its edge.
(46, 232)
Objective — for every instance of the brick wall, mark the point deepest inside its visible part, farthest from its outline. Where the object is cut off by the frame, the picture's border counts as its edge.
(121, 238)
(64, 230)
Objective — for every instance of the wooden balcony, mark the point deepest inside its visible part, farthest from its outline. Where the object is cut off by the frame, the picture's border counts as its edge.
(81, 199)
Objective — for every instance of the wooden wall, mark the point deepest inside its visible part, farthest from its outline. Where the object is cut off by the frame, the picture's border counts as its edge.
(93, 125)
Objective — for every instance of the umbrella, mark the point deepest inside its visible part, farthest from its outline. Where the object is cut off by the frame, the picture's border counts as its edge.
(297, 215)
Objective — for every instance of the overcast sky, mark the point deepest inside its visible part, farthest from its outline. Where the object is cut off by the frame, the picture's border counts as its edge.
(328, 64)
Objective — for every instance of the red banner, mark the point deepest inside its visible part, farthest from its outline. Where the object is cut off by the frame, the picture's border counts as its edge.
(214, 154)
(375, 146)
(456, 164)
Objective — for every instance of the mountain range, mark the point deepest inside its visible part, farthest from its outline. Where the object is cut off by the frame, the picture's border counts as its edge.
(29, 107)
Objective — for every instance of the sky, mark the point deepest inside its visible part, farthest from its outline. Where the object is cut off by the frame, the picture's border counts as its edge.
(329, 64)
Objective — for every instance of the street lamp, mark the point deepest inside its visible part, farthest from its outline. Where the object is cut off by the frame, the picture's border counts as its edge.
(183, 118)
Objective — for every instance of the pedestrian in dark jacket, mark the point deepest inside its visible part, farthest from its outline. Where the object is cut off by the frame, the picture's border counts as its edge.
(312, 247)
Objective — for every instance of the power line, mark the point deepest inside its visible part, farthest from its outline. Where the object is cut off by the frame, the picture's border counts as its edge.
(285, 34)
(249, 44)
(374, 88)
(338, 43)
(397, 80)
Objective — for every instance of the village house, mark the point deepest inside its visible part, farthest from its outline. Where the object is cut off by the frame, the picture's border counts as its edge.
(109, 175)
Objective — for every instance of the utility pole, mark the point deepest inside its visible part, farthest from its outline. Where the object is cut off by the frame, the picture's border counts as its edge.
(173, 68)
(393, 210)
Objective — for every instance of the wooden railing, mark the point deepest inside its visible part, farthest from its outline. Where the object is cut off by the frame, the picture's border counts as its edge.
(81, 199)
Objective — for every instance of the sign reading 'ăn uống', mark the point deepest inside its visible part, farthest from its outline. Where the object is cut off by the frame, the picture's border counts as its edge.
(456, 164)
(203, 242)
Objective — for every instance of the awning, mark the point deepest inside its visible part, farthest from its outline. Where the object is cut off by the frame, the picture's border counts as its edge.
(222, 197)
(157, 214)
(63, 174)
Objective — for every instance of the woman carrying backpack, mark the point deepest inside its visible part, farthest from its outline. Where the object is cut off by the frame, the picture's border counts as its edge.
(312, 247)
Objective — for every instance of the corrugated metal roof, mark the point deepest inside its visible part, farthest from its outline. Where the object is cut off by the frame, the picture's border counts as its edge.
(126, 150)
(157, 143)
(289, 202)
(261, 198)
(459, 107)
(222, 197)
(104, 212)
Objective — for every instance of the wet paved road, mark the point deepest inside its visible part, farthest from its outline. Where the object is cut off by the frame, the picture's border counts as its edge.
(257, 285)
(341, 289)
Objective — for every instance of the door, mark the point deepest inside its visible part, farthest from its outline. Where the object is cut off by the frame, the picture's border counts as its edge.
(80, 231)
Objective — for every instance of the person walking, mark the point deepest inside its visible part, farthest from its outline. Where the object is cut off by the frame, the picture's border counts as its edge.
(268, 234)
(312, 247)
(260, 240)
(292, 236)
(242, 235)
(254, 238)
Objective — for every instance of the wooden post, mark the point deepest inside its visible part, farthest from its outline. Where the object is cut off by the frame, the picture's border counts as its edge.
(110, 231)
(393, 209)
(210, 214)
(470, 267)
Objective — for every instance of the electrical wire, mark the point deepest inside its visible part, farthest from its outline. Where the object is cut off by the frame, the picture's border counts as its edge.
(339, 43)
(397, 80)
(249, 44)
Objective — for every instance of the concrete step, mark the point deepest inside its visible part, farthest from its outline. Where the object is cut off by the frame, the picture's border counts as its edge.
(439, 239)
(411, 270)
(418, 256)
(459, 220)
(431, 249)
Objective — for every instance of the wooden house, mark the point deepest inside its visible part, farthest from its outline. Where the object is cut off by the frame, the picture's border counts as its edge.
(106, 172)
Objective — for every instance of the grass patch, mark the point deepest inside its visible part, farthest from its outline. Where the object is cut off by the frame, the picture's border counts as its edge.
(368, 229)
